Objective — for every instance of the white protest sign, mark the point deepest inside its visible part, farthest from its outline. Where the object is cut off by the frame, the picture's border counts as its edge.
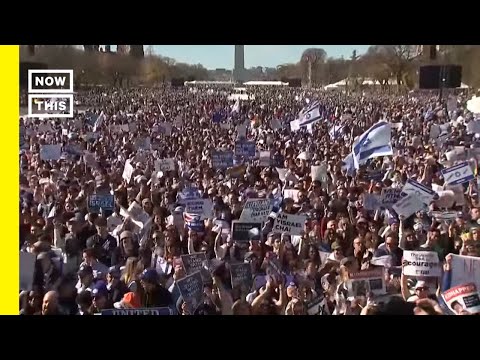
(407, 206)
(265, 158)
(421, 263)
(127, 171)
(290, 224)
(165, 165)
(291, 193)
(364, 282)
(463, 299)
(202, 207)
(421, 192)
(50, 152)
(319, 173)
(256, 210)
(27, 268)
(294, 125)
(442, 216)
(458, 174)
(465, 269)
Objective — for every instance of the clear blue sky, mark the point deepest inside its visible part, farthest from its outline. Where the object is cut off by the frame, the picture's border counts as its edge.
(221, 56)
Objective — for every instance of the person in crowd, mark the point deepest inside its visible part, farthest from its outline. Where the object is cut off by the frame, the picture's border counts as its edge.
(324, 218)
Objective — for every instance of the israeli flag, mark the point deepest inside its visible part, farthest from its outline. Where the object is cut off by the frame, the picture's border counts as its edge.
(309, 116)
(99, 121)
(349, 165)
(336, 131)
(374, 142)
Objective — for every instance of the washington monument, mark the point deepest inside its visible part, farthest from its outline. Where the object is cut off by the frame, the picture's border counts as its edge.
(239, 67)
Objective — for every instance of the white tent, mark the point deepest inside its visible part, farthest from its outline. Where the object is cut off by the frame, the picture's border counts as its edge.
(265, 83)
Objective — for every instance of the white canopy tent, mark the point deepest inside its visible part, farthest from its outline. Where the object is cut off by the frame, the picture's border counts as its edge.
(265, 83)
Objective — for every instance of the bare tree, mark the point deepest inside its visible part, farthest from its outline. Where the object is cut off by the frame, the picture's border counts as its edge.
(313, 57)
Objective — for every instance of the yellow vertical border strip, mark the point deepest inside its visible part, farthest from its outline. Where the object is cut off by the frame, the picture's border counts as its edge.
(9, 177)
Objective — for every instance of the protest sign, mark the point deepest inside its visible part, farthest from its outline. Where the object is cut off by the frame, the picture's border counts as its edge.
(290, 224)
(390, 196)
(265, 158)
(189, 193)
(465, 269)
(222, 159)
(291, 193)
(191, 289)
(372, 202)
(319, 173)
(246, 231)
(274, 268)
(50, 152)
(127, 171)
(97, 202)
(202, 207)
(408, 206)
(363, 282)
(463, 299)
(241, 274)
(246, 149)
(143, 311)
(421, 192)
(27, 268)
(458, 174)
(444, 215)
(421, 263)
(256, 210)
(165, 165)
(193, 262)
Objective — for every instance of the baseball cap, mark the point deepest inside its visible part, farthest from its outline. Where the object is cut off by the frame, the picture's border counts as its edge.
(100, 289)
(149, 276)
(130, 300)
(335, 245)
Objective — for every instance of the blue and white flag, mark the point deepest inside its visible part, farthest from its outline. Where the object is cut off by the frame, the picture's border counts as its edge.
(236, 107)
(99, 121)
(349, 165)
(374, 142)
(458, 174)
(309, 116)
(336, 131)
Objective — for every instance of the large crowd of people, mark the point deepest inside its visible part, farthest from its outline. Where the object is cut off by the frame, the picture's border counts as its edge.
(178, 201)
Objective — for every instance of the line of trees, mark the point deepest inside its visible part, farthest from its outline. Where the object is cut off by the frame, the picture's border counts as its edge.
(95, 67)
(382, 63)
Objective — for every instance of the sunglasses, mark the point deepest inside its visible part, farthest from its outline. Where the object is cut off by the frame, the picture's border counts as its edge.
(422, 289)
